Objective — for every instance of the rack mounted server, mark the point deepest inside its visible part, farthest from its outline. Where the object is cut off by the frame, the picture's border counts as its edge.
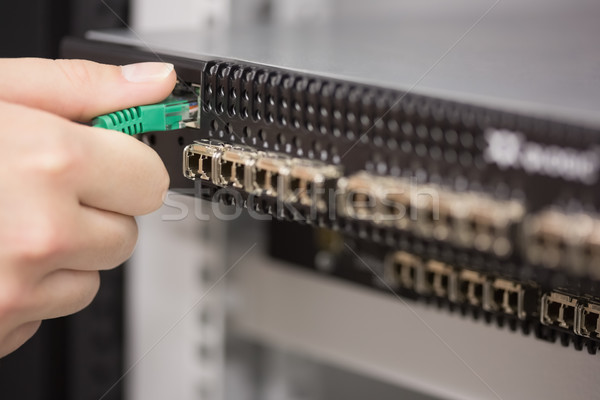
(489, 210)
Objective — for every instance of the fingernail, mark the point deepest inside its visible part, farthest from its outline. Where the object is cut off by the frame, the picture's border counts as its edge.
(146, 71)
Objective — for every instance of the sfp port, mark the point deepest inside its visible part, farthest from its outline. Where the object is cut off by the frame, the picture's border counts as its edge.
(485, 223)
(237, 167)
(358, 197)
(431, 211)
(472, 288)
(201, 161)
(307, 182)
(588, 320)
(512, 298)
(554, 239)
(271, 175)
(396, 207)
(558, 309)
(403, 270)
(441, 279)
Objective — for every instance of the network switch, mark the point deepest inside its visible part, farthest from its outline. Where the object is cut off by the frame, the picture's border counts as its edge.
(481, 208)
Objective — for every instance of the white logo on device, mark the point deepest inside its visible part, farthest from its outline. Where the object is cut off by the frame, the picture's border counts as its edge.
(509, 149)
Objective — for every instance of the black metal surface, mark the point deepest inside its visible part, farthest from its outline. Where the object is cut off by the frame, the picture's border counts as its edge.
(357, 126)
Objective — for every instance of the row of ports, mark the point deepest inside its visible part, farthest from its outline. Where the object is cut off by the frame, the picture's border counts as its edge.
(554, 238)
(582, 316)
(551, 237)
(289, 179)
(522, 300)
(407, 271)
(465, 219)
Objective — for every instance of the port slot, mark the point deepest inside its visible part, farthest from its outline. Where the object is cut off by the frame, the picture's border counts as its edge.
(472, 287)
(507, 297)
(556, 239)
(404, 270)
(588, 320)
(200, 159)
(558, 310)
(441, 280)
(357, 197)
(237, 167)
(272, 175)
(192, 165)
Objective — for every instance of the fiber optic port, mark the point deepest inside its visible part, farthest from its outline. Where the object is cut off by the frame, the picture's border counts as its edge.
(588, 320)
(558, 309)
(441, 279)
(307, 182)
(554, 238)
(237, 167)
(201, 161)
(485, 223)
(512, 298)
(358, 197)
(403, 270)
(431, 211)
(472, 288)
(271, 176)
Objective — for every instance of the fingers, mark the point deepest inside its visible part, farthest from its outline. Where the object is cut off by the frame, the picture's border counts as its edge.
(104, 240)
(15, 338)
(81, 90)
(120, 173)
(63, 292)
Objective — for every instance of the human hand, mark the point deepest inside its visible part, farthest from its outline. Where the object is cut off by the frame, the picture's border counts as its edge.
(68, 192)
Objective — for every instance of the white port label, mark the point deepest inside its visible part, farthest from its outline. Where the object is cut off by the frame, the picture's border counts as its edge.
(509, 149)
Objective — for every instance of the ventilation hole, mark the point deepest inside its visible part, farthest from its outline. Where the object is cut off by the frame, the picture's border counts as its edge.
(246, 95)
(247, 131)
(232, 111)
(284, 103)
(296, 142)
(262, 135)
(220, 108)
(221, 91)
(152, 140)
(280, 138)
(180, 140)
(310, 109)
(451, 137)
(257, 115)
(214, 124)
(245, 112)
(232, 93)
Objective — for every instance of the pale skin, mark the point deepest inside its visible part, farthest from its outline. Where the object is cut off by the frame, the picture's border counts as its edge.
(69, 192)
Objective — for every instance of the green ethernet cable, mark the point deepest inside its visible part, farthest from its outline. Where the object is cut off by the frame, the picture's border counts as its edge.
(170, 114)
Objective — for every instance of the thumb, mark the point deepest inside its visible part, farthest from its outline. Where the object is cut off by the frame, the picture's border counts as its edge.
(79, 89)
